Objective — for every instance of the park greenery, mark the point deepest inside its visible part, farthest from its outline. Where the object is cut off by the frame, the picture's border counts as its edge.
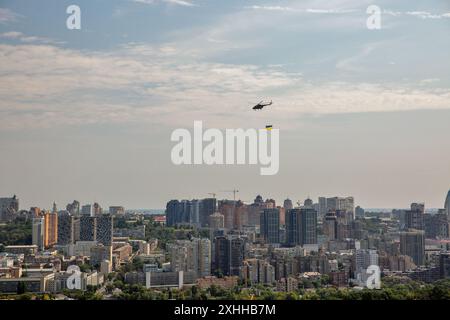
(17, 232)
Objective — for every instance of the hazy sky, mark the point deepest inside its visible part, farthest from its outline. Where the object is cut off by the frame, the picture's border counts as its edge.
(87, 114)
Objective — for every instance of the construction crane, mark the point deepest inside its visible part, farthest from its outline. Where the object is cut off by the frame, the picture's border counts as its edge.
(234, 193)
(213, 194)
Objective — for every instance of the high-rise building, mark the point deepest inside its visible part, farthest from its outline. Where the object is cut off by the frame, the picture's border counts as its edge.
(227, 208)
(308, 226)
(330, 225)
(191, 255)
(436, 225)
(412, 243)
(270, 225)
(86, 210)
(254, 211)
(322, 206)
(73, 208)
(301, 226)
(173, 212)
(35, 212)
(204, 257)
(359, 212)
(287, 205)
(104, 232)
(340, 203)
(97, 209)
(116, 210)
(229, 255)
(65, 228)
(257, 271)
(50, 229)
(216, 222)
(418, 207)
(414, 217)
(207, 207)
(194, 212)
(292, 227)
(8, 208)
(38, 232)
(308, 203)
(88, 228)
(363, 259)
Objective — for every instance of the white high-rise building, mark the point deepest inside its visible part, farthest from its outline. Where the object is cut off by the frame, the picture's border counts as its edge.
(191, 255)
(37, 232)
(363, 259)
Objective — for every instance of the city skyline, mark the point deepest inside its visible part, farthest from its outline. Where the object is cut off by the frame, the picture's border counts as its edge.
(88, 114)
(118, 204)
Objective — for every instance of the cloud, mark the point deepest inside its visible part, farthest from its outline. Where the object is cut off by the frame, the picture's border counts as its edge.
(7, 16)
(15, 35)
(423, 14)
(270, 8)
(301, 10)
(418, 14)
(182, 3)
(45, 86)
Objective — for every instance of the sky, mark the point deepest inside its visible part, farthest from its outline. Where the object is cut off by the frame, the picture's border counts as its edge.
(87, 114)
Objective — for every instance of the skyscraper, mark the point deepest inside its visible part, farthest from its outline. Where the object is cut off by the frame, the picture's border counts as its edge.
(173, 212)
(98, 228)
(104, 232)
(322, 206)
(73, 208)
(414, 217)
(207, 207)
(364, 259)
(308, 203)
(229, 255)
(292, 226)
(216, 221)
(330, 225)
(65, 228)
(38, 232)
(412, 243)
(340, 203)
(194, 212)
(204, 257)
(308, 226)
(227, 208)
(270, 225)
(50, 229)
(301, 226)
(88, 228)
(287, 205)
(86, 210)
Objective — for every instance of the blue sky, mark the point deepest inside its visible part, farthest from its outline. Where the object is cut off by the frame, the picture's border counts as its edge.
(139, 69)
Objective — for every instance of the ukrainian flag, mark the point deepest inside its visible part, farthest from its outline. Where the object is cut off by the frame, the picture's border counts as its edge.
(269, 127)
